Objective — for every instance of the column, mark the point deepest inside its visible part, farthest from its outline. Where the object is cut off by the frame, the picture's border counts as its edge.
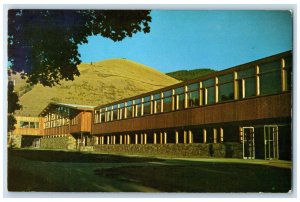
(215, 135)
(108, 140)
(190, 137)
(145, 138)
(257, 81)
(125, 139)
(236, 86)
(204, 136)
(136, 138)
(184, 137)
(283, 76)
(128, 139)
(154, 138)
(216, 90)
(221, 135)
(161, 138)
(121, 139)
(241, 134)
(176, 137)
(165, 137)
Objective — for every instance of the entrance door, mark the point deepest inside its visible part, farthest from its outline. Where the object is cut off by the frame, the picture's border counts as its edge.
(248, 143)
(271, 142)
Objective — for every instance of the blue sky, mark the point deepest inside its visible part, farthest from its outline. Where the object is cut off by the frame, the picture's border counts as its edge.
(199, 39)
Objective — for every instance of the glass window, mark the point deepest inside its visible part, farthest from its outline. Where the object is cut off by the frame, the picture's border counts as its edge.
(250, 72)
(102, 115)
(129, 109)
(138, 107)
(168, 93)
(225, 78)
(36, 124)
(24, 124)
(226, 92)
(208, 83)
(167, 104)
(270, 66)
(193, 95)
(211, 95)
(193, 99)
(179, 90)
(147, 108)
(180, 101)
(122, 111)
(31, 125)
(270, 83)
(157, 103)
(115, 112)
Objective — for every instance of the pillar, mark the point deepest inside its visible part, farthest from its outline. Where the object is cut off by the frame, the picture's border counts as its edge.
(283, 76)
(154, 138)
(165, 137)
(257, 81)
(161, 138)
(125, 139)
(142, 138)
(215, 135)
(221, 135)
(136, 138)
(145, 138)
(204, 136)
(190, 137)
(184, 137)
(121, 139)
(128, 139)
(107, 139)
(176, 137)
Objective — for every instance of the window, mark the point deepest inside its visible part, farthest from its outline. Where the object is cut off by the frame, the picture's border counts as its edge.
(288, 71)
(122, 111)
(24, 124)
(115, 112)
(193, 95)
(108, 113)
(138, 109)
(96, 114)
(247, 82)
(157, 103)
(102, 115)
(129, 111)
(209, 91)
(147, 105)
(226, 88)
(179, 98)
(167, 101)
(270, 77)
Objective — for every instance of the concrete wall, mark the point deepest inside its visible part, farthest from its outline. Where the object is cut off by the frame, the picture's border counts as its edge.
(59, 142)
(225, 150)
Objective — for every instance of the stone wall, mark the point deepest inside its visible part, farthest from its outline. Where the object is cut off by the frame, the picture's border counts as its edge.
(58, 142)
(225, 150)
(15, 141)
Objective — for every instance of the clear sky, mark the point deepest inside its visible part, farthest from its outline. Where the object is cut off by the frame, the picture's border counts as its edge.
(199, 39)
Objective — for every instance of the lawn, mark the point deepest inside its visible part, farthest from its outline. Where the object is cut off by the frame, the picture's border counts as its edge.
(60, 171)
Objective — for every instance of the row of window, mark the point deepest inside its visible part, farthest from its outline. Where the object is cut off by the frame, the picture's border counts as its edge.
(57, 120)
(28, 124)
(264, 79)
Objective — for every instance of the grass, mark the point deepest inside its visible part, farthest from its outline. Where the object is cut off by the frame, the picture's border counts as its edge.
(98, 83)
(59, 171)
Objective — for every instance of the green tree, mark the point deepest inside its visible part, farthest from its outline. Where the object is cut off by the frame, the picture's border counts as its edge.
(13, 105)
(43, 44)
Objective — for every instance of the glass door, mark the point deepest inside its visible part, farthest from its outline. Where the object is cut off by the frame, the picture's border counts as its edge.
(248, 143)
(271, 142)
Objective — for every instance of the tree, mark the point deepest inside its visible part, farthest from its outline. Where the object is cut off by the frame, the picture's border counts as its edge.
(13, 105)
(43, 44)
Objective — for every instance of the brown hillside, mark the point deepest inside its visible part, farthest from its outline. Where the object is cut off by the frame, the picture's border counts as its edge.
(99, 83)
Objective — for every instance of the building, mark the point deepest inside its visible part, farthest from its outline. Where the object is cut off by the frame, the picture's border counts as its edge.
(242, 112)
(66, 126)
(27, 132)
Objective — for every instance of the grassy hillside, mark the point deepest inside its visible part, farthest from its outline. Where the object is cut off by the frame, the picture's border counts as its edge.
(99, 83)
(185, 75)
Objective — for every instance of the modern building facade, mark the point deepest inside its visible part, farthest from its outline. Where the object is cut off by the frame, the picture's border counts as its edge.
(27, 133)
(241, 112)
(244, 112)
(66, 126)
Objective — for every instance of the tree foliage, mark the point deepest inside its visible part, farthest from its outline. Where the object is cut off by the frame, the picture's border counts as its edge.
(43, 44)
(13, 105)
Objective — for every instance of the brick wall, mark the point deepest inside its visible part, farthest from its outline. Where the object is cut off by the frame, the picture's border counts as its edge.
(59, 142)
(225, 150)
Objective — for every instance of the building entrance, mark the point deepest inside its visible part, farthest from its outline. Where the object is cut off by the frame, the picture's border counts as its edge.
(271, 142)
(248, 143)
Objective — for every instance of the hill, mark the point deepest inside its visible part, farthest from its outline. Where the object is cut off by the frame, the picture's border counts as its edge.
(185, 75)
(99, 83)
